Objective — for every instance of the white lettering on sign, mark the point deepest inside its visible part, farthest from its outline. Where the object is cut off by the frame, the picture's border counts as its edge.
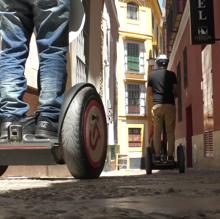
(201, 4)
(203, 31)
(202, 16)
(202, 26)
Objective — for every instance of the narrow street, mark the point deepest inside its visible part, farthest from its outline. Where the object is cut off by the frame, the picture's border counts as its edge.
(83, 79)
(115, 195)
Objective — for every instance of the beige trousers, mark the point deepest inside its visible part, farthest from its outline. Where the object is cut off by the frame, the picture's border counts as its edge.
(164, 113)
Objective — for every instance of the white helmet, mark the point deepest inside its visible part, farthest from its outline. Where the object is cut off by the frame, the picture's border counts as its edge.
(162, 60)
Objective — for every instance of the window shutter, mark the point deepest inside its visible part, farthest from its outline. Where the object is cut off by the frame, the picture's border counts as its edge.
(126, 99)
(143, 100)
(133, 57)
(142, 60)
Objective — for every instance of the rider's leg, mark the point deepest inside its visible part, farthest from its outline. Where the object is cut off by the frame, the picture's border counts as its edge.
(51, 22)
(15, 31)
(170, 121)
(158, 126)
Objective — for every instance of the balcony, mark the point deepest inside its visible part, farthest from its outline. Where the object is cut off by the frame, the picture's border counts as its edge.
(174, 10)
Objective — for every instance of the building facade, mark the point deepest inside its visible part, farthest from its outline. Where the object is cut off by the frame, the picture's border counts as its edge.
(197, 67)
(140, 39)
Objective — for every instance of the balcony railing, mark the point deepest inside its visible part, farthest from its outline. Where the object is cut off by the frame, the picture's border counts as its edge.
(133, 109)
(175, 10)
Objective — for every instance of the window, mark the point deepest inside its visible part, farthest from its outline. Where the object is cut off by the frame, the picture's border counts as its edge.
(208, 143)
(185, 67)
(80, 71)
(133, 57)
(161, 43)
(157, 35)
(155, 52)
(152, 21)
(134, 52)
(179, 93)
(132, 11)
(134, 137)
(135, 99)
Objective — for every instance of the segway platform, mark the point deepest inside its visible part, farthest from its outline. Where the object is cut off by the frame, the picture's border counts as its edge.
(164, 165)
(151, 164)
(81, 142)
(20, 149)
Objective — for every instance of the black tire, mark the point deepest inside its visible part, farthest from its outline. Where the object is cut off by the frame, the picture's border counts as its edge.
(57, 152)
(148, 160)
(84, 135)
(3, 169)
(181, 159)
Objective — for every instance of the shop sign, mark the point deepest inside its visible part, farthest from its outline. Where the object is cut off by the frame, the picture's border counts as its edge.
(202, 22)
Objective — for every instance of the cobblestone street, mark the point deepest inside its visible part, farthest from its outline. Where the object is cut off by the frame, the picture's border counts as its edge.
(115, 195)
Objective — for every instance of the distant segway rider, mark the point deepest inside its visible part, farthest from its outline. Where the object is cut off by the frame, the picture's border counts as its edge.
(18, 20)
(162, 85)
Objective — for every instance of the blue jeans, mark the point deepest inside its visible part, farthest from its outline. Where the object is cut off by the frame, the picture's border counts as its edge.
(49, 20)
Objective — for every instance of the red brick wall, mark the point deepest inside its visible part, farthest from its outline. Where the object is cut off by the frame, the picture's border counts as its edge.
(193, 94)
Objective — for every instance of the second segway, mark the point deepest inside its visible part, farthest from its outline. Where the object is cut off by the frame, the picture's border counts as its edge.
(164, 163)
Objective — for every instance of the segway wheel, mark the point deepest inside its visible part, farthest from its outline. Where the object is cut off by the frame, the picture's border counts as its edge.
(181, 159)
(84, 135)
(148, 160)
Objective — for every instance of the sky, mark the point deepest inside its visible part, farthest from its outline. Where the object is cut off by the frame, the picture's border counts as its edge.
(161, 2)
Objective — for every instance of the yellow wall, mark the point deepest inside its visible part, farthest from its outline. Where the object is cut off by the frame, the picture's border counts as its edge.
(139, 31)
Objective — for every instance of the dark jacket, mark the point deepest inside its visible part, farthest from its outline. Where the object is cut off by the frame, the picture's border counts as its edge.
(162, 81)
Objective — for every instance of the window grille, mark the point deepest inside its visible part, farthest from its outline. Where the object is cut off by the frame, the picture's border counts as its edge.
(133, 99)
(132, 11)
(80, 71)
(208, 143)
(134, 137)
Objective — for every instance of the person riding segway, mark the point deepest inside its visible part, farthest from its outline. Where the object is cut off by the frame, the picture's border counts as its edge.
(69, 127)
(162, 86)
